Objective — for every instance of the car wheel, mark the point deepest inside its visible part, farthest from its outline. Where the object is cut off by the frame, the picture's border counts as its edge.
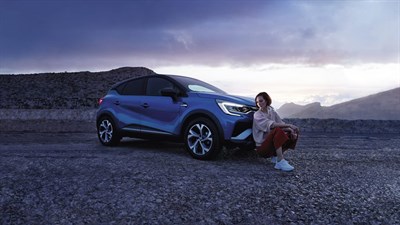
(106, 131)
(202, 139)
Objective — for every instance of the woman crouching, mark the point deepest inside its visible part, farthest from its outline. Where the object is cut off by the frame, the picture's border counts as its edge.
(272, 136)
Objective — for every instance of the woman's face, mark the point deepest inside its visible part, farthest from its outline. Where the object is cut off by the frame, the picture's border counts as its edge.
(261, 102)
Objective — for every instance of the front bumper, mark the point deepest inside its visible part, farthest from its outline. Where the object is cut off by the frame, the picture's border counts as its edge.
(242, 135)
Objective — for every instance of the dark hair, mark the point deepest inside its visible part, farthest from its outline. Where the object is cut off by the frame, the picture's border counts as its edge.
(265, 96)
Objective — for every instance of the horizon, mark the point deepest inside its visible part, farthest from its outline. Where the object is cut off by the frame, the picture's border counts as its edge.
(297, 51)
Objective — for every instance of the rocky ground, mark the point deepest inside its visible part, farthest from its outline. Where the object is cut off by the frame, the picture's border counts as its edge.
(69, 178)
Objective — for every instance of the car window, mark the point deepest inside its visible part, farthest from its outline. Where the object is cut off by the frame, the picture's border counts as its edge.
(156, 84)
(196, 85)
(133, 87)
(120, 88)
(199, 88)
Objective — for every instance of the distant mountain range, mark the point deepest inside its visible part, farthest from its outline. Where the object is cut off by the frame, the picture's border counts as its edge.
(381, 106)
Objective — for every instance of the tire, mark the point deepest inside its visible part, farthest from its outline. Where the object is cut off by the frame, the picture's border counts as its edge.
(202, 139)
(107, 132)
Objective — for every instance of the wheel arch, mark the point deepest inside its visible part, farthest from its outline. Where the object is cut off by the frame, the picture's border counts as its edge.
(109, 114)
(202, 114)
(105, 114)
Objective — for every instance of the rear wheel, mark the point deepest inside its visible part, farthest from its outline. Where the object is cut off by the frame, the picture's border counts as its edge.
(202, 139)
(106, 131)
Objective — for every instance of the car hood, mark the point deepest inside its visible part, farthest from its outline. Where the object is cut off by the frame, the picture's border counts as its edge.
(232, 98)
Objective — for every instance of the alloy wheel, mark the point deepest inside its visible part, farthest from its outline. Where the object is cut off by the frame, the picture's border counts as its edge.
(106, 131)
(200, 139)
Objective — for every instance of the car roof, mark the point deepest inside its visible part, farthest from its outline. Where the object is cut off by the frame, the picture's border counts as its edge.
(153, 75)
(168, 76)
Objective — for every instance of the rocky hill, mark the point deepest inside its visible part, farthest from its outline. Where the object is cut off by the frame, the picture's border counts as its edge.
(74, 90)
(289, 109)
(380, 106)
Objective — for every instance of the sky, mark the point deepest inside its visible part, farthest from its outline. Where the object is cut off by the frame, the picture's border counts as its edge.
(297, 51)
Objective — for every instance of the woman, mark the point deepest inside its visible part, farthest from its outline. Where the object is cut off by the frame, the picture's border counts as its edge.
(271, 134)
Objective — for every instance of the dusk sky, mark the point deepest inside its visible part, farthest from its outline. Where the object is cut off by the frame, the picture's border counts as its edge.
(328, 51)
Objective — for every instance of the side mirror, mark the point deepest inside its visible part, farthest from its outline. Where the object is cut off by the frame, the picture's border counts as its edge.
(170, 92)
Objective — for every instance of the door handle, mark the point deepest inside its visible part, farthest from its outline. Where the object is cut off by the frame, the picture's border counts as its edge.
(116, 103)
(145, 105)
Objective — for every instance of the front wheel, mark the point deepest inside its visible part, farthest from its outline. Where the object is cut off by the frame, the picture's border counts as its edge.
(202, 139)
(106, 131)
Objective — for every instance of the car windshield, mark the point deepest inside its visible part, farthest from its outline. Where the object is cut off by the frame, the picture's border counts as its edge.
(195, 85)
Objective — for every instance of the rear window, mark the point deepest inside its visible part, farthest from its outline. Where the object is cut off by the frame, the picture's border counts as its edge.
(133, 87)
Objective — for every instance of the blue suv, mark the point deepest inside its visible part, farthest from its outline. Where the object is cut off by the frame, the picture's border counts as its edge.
(179, 108)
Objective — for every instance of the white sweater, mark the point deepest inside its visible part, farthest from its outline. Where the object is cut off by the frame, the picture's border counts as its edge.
(262, 123)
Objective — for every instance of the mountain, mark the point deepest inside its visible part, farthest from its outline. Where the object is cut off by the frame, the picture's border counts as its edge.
(381, 106)
(289, 109)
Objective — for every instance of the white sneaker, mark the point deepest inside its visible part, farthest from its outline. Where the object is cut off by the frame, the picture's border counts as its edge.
(274, 159)
(284, 166)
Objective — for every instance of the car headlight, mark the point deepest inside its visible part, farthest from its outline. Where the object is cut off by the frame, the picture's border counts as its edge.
(234, 109)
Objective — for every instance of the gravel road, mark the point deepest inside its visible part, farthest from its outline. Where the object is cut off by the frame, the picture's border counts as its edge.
(69, 178)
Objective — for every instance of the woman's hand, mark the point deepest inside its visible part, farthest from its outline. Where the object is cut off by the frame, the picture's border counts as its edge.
(293, 127)
(291, 131)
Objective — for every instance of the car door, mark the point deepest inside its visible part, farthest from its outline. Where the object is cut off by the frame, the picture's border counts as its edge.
(129, 111)
(160, 114)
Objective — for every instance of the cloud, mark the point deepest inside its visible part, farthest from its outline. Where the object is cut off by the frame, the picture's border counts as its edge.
(197, 32)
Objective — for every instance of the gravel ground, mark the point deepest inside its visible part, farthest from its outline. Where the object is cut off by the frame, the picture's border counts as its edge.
(69, 178)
